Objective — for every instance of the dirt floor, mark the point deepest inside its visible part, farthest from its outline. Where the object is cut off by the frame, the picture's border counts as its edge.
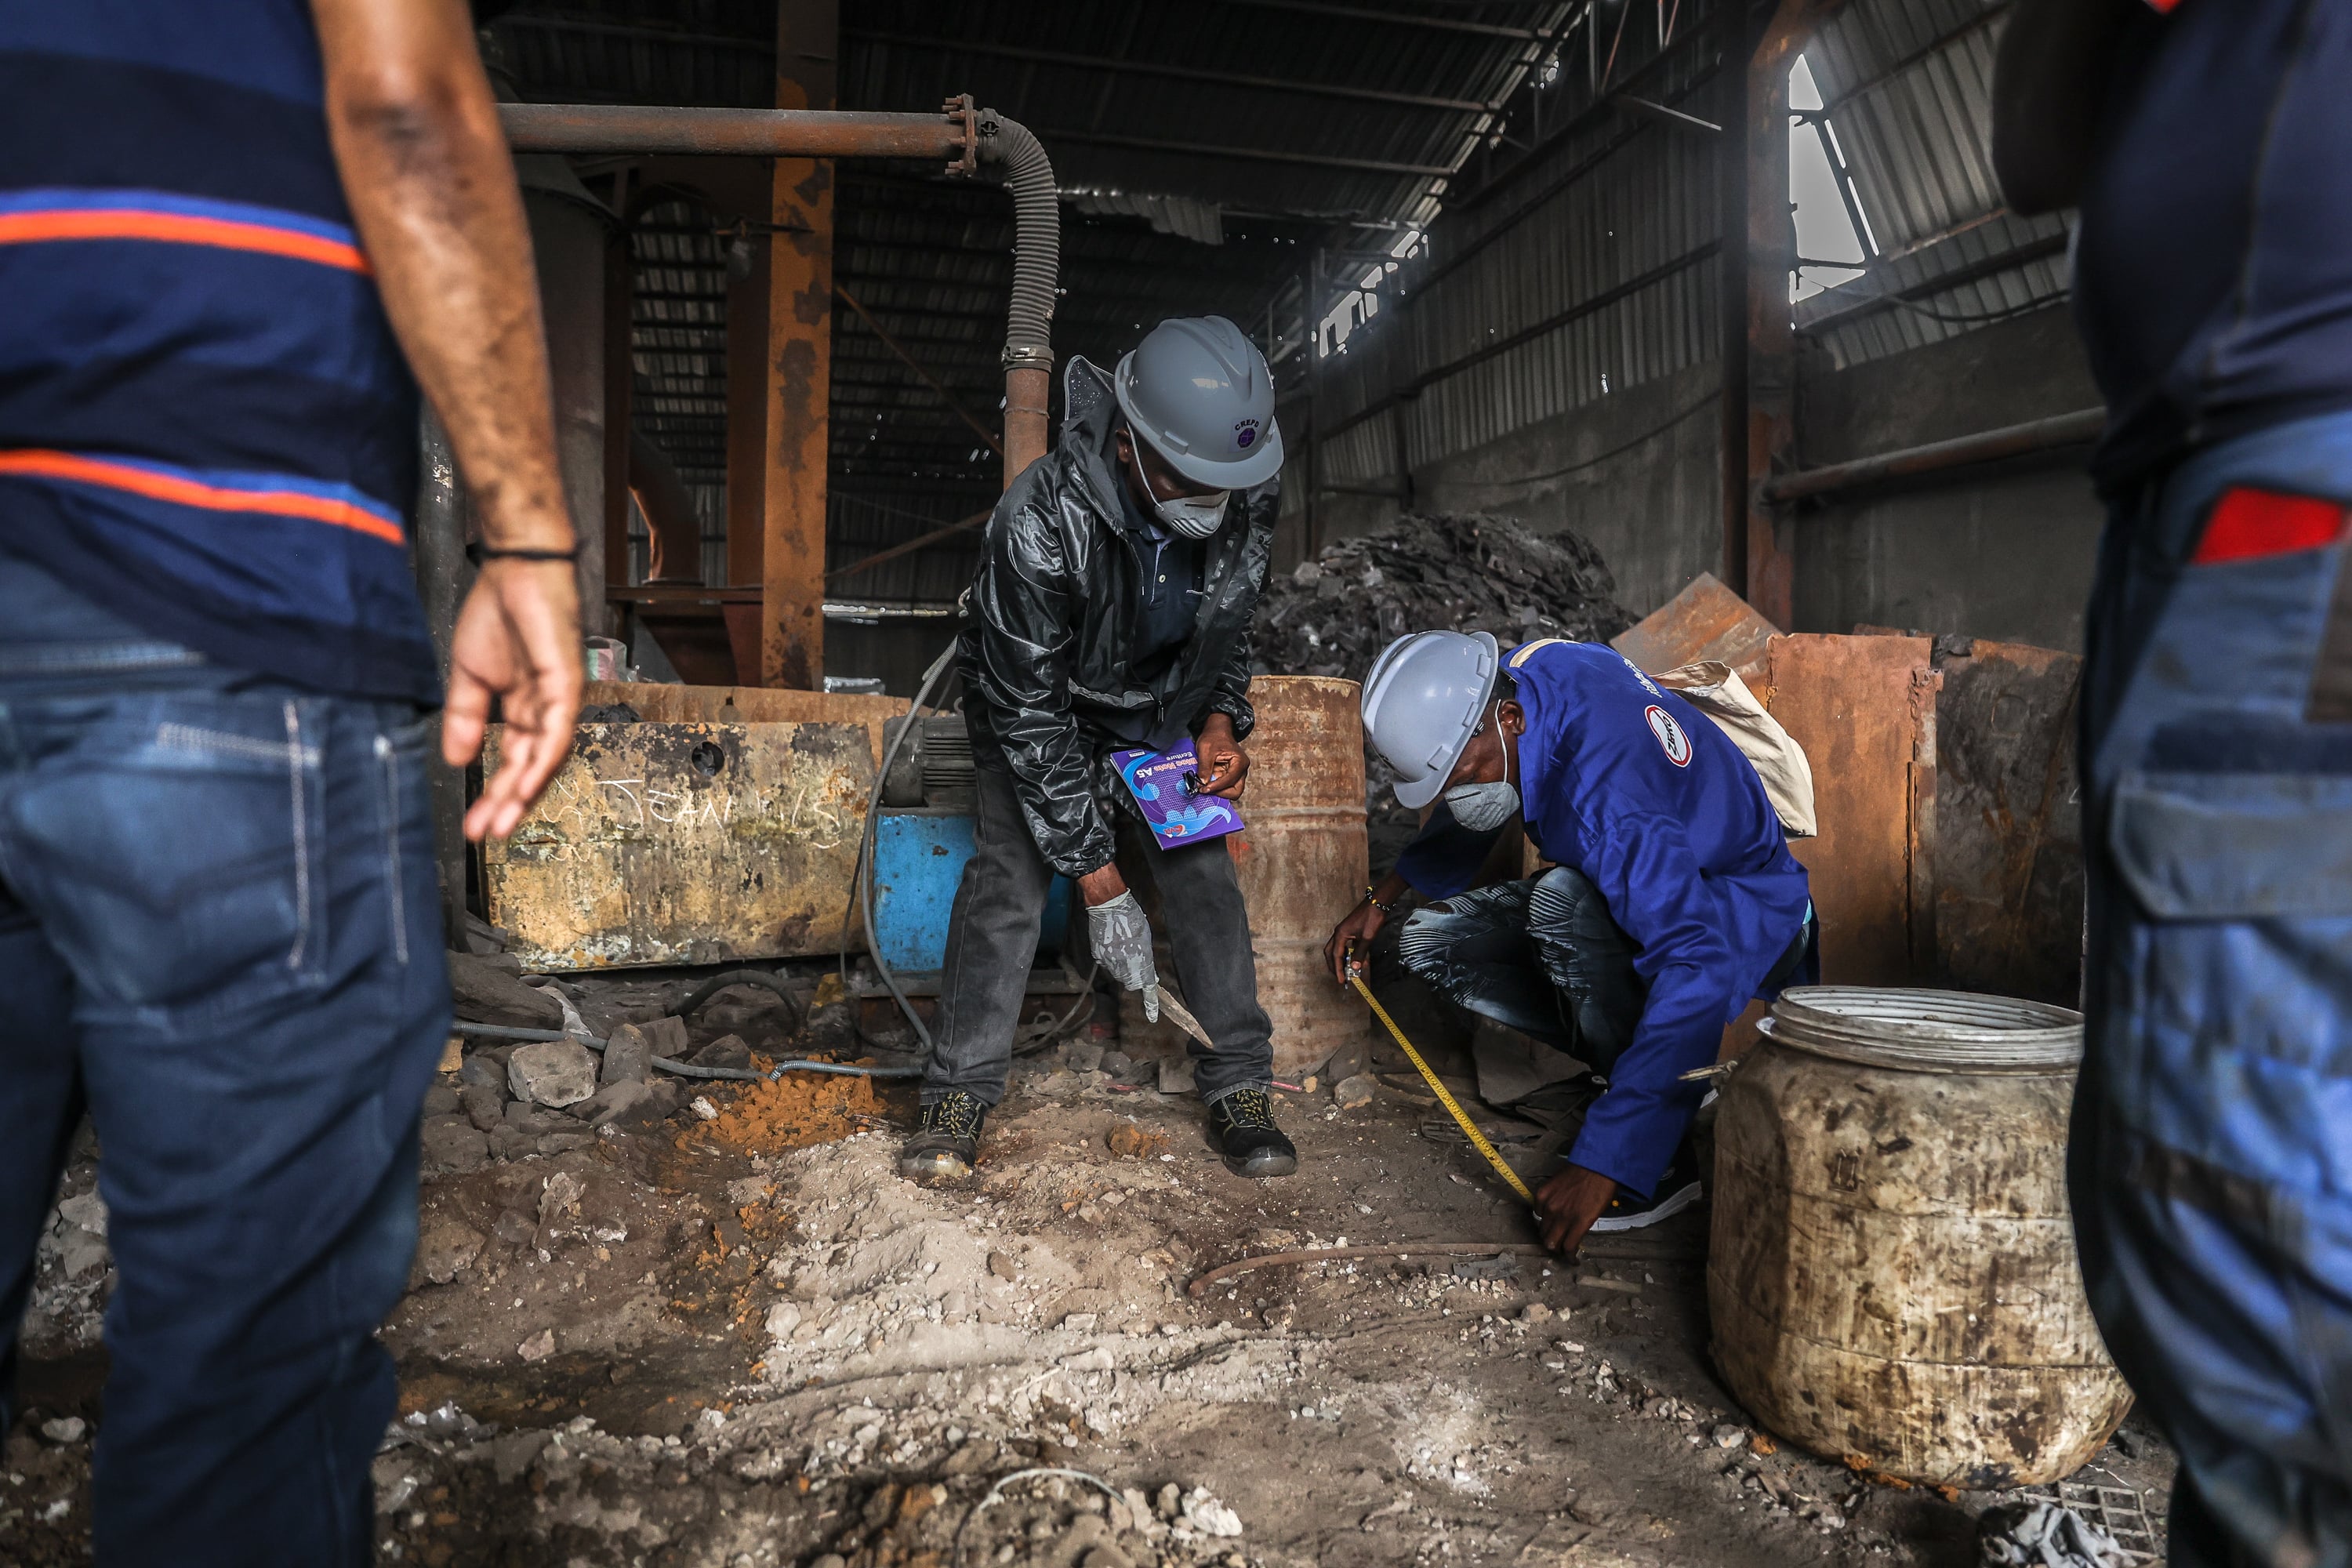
(740, 1339)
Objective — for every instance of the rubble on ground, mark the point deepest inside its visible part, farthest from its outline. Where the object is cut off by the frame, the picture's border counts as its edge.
(742, 1339)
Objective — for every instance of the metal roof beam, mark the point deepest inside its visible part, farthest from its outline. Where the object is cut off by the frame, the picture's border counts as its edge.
(1169, 72)
(1050, 134)
(1421, 19)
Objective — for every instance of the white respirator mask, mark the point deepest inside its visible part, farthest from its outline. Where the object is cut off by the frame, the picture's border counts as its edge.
(1483, 807)
(1187, 517)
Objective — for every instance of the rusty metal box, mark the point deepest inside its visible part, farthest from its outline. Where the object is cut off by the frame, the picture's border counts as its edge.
(685, 843)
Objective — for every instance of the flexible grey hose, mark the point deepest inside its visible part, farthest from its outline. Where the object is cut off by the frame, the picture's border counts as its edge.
(685, 1069)
(760, 977)
(864, 892)
(1036, 236)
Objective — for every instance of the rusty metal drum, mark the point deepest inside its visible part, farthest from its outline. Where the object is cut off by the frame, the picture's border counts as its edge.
(1891, 1276)
(1303, 860)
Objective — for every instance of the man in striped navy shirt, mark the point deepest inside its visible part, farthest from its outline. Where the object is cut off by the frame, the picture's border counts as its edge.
(234, 237)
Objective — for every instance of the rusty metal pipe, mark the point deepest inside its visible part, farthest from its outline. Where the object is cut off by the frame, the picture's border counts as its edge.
(1037, 269)
(742, 132)
(2062, 430)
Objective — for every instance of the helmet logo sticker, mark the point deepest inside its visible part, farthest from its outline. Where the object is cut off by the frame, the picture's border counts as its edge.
(1245, 434)
(1670, 735)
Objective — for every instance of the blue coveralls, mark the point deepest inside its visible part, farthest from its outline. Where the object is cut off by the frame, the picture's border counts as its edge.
(2212, 1166)
(1640, 799)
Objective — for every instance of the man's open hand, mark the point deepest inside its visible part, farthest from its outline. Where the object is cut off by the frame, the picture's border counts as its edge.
(1567, 1206)
(1224, 767)
(518, 639)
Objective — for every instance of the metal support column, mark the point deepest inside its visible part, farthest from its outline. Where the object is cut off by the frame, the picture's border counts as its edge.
(799, 367)
(620, 285)
(1761, 395)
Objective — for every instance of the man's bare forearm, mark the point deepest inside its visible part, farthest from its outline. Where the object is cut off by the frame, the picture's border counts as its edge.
(2049, 86)
(431, 188)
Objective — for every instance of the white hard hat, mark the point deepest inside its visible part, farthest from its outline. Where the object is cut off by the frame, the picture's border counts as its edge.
(1422, 702)
(1199, 391)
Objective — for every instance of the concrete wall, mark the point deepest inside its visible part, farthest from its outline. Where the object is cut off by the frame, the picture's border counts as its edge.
(2002, 553)
(1625, 472)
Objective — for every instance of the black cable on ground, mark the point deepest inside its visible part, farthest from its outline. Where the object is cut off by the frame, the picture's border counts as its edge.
(760, 977)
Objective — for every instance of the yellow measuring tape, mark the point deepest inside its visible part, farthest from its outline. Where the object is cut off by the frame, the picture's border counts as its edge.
(1461, 1117)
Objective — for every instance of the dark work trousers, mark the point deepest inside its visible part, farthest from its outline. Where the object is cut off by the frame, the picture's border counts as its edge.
(2211, 1165)
(219, 933)
(1540, 955)
(993, 940)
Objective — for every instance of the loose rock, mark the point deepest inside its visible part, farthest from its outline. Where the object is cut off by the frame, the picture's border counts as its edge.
(483, 994)
(726, 1051)
(444, 1246)
(454, 1143)
(1353, 1093)
(553, 1072)
(628, 1057)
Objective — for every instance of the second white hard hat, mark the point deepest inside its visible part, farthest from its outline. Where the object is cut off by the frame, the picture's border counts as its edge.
(1423, 701)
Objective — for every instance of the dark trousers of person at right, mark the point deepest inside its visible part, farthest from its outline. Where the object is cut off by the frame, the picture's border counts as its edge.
(2211, 1165)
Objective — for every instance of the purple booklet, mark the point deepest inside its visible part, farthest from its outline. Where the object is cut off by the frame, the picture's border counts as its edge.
(1177, 816)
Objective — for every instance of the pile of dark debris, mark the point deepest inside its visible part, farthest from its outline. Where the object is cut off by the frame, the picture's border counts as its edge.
(1459, 570)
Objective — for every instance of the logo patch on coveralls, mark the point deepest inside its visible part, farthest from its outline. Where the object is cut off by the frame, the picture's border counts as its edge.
(1670, 735)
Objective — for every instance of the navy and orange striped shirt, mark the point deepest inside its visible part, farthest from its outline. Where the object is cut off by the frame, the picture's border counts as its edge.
(204, 419)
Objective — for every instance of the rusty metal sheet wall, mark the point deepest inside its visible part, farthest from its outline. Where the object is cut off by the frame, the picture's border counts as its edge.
(1645, 204)
(1863, 709)
(2009, 850)
(686, 843)
(1705, 621)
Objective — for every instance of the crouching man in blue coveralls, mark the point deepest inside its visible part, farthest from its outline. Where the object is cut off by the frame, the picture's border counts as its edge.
(1671, 899)
(2208, 149)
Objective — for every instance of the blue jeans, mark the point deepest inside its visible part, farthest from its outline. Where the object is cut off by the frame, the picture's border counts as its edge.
(1541, 954)
(2211, 1157)
(218, 933)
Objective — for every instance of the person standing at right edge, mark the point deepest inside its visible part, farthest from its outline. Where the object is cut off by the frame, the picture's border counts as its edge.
(2208, 146)
(1111, 610)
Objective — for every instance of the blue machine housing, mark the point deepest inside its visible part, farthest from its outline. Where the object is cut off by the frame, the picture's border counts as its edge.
(918, 860)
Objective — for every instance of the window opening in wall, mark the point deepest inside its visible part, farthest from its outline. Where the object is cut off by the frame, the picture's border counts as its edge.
(1833, 237)
(1363, 303)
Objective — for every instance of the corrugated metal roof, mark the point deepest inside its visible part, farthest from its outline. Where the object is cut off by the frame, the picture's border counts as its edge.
(1908, 88)
(1615, 216)
(1287, 116)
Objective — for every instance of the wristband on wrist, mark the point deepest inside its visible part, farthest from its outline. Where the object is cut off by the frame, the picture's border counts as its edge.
(1372, 897)
(478, 554)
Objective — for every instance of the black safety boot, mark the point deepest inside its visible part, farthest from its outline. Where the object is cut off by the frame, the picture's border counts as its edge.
(946, 1144)
(1253, 1145)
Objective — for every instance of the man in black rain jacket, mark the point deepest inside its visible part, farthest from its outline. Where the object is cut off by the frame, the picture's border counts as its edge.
(1111, 610)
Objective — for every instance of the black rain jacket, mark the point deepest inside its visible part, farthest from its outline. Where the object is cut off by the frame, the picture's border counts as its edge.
(1046, 636)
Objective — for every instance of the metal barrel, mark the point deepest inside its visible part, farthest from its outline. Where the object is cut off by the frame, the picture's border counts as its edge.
(1303, 860)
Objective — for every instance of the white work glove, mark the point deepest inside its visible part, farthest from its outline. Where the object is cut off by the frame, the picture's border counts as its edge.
(1121, 939)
